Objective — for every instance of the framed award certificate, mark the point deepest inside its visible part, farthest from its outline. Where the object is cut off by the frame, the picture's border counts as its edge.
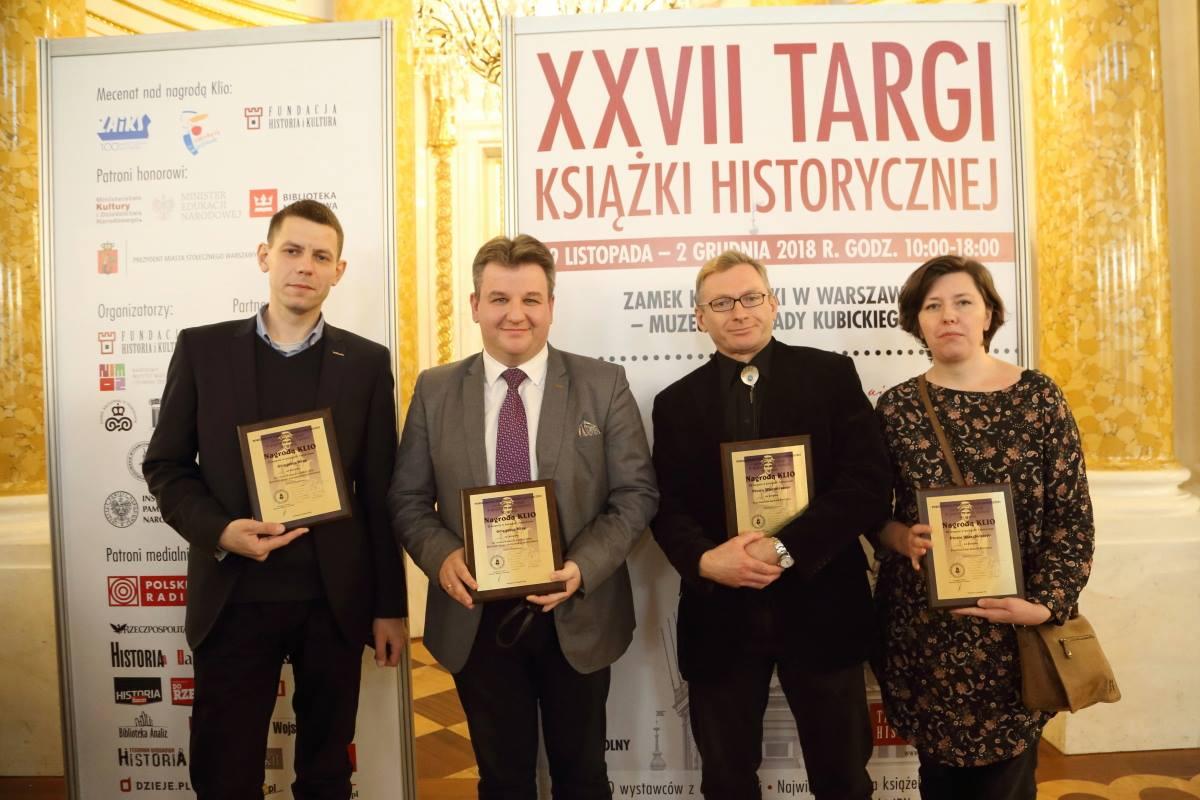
(767, 482)
(511, 539)
(294, 469)
(973, 549)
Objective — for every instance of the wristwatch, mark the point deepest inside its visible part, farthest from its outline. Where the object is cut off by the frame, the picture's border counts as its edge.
(785, 558)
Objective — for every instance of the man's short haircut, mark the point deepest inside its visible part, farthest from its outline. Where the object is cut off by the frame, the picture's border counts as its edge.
(912, 295)
(311, 210)
(521, 249)
(728, 260)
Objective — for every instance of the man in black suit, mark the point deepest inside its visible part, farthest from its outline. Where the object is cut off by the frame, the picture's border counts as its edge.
(258, 594)
(798, 602)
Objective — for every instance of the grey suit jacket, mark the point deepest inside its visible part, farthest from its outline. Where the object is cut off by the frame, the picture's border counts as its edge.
(604, 485)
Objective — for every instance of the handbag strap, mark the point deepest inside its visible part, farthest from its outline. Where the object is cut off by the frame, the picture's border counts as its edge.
(923, 388)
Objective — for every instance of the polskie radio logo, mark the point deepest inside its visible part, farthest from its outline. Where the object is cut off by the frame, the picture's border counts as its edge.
(147, 590)
(136, 657)
(151, 757)
(116, 416)
(143, 727)
(137, 691)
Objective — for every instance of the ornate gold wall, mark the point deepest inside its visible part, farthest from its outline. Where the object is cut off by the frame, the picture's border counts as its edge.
(1104, 294)
(22, 449)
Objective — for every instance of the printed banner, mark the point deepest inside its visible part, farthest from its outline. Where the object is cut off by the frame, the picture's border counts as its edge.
(840, 146)
(165, 158)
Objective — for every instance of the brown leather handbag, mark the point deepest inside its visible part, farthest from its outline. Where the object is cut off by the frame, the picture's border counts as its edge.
(1063, 667)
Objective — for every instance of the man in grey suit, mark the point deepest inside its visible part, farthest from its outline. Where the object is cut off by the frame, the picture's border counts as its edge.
(516, 412)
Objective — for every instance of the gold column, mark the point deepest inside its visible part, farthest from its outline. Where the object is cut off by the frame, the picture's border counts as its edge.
(407, 329)
(442, 144)
(1104, 297)
(22, 447)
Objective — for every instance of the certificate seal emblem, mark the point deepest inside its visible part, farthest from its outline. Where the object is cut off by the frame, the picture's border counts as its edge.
(758, 521)
(497, 562)
(957, 570)
(282, 496)
(121, 509)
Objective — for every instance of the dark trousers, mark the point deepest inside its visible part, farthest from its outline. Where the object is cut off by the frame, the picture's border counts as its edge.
(502, 690)
(1012, 779)
(831, 719)
(237, 677)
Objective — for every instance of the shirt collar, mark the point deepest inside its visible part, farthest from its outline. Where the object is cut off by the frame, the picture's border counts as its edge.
(731, 368)
(535, 368)
(314, 336)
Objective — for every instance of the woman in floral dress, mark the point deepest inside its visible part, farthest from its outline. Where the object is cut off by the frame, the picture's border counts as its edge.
(951, 680)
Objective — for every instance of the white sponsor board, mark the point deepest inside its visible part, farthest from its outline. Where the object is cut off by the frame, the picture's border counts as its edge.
(164, 159)
(840, 146)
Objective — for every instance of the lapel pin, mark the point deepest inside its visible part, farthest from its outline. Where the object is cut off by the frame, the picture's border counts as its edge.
(336, 353)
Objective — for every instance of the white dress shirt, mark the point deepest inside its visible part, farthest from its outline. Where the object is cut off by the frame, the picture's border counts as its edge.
(530, 390)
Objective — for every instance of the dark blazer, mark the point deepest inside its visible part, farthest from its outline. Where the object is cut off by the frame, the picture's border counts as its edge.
(823, 602)
(210, 390)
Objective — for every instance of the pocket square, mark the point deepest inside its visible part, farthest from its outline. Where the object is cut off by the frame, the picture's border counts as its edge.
(588, 429)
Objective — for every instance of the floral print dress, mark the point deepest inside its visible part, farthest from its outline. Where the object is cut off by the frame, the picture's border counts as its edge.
(952, 685)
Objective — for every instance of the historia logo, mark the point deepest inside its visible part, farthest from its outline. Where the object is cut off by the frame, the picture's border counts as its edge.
(147, 590)
(183, 691)
(108, 260)
(148, 341)
(253, 115)
(196, 131)
(264, 202)
(140, 658)
(151, 757)
(116, 416)
(107, 339)
(121, 509)
(299, 116)
(137, 691)
(143, 727)
(134, 459)
(123, 133)
(112, 377)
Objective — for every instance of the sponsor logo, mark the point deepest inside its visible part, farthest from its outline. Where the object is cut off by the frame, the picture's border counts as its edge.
(352, 751)
(882, 730)
(163, 207)
(121, 509)
(183, 657)
(155, 403)
(328, 198)
(264, 202)
(147, 341)
(283, 727)
(282, 690)
(125, 628)
(116, 416)
(183, 691)
(107, 341)
(295, 116)
(141, 658)
(147, 590)
(207, 206)
(253, 116)
(198, 133)
(108, 259)
(118, 208)
(143, 727)
(134, 459)
(137, 691)
(112, 377)
(130, 785)
(151, 757)
(274, 758)
(123, 133)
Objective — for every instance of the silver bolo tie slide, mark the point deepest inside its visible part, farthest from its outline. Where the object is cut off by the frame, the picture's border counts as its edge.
(750, 377)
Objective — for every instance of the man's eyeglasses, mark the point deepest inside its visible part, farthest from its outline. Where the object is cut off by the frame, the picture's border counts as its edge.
(748, 300)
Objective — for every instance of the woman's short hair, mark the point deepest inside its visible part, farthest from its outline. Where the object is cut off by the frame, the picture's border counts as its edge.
(915, 289)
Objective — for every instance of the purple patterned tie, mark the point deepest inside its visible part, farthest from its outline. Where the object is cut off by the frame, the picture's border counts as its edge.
(512, 433)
